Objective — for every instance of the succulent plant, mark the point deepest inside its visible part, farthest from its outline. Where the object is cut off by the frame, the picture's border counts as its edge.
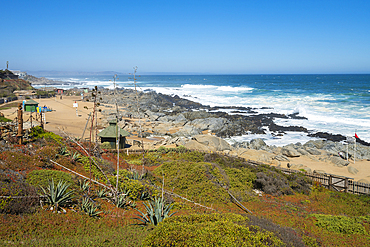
(156, 211)
(88, 207)
(57, 196)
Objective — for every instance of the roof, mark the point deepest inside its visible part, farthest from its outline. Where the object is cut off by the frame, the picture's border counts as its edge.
(110, 132)
(31, 102)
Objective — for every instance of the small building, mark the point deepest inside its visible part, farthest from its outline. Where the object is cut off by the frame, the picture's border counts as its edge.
(30, 106)
(109, 135)
(19, 73)
(59, 91)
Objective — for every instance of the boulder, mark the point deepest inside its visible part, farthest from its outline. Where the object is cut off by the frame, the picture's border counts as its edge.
(192, 144)
(180, 119)
(211, 123)
(313, 150)
(295, 166)
(213, 142)
(302, 151)
(290, 152)
(257, 155)
(319, 171)
(281, 158)
(257, 144)
(352, 170)
(162, 129)
(307, 169)
(338, 161)
(153, 116)
(318, 144)
(187, 131)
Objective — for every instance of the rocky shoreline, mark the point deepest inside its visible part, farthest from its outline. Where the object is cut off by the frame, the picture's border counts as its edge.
(183, 122)
(167, 112)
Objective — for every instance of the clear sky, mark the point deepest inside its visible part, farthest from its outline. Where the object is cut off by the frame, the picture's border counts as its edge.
(248, 37)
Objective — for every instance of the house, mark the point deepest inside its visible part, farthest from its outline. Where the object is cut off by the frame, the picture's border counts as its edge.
(30, 106)
(109, 135)
(19, 73)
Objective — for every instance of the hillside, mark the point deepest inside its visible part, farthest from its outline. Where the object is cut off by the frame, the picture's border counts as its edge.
(8, 86)
(217, 200)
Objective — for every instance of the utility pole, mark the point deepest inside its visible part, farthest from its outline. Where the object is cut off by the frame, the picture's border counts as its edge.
(138, 112)
(118, 132)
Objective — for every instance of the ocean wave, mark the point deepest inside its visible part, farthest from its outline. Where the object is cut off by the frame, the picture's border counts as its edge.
(197, 86)
(234, 89)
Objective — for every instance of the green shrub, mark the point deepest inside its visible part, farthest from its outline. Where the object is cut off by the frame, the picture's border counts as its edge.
(209, 230)
(96, 172)
(41, 178)
(192, 180)
(4, 119)
(133, 187)
(340, 224)
(241, 181)
(38, 132)
(193, 156)
(106, 145)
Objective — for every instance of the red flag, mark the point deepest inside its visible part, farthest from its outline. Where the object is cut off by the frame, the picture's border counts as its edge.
(356, 136)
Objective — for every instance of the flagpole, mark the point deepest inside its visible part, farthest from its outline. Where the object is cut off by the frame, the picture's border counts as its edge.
(354, 159)
(354, 155)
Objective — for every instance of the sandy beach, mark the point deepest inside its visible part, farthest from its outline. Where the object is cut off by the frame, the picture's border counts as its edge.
(63, 117)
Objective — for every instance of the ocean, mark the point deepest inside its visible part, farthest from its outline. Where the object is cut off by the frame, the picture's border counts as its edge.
(337, 104)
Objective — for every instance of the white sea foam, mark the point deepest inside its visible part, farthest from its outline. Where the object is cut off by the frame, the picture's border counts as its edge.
(233, 89)
(271, 140)
(198, 86)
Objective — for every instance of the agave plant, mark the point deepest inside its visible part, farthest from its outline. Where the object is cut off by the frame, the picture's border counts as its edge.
(145, 195)
(57, 196)
(63, 151)
(88, 207)
(135, 175)
(84, 185)
(122, 201)
(102, 193)
(76, 156)
(156, 211)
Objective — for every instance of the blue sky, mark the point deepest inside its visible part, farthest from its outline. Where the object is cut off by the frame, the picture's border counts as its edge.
(247, 37)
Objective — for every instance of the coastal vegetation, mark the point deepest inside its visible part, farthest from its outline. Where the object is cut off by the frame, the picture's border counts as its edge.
(168, 197)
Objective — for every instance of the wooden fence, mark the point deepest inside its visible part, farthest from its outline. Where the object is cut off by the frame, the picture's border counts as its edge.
(336, 182)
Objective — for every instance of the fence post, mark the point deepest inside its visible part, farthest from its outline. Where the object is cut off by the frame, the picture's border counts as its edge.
(346, 185)
(330, 182)
(20, 124)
